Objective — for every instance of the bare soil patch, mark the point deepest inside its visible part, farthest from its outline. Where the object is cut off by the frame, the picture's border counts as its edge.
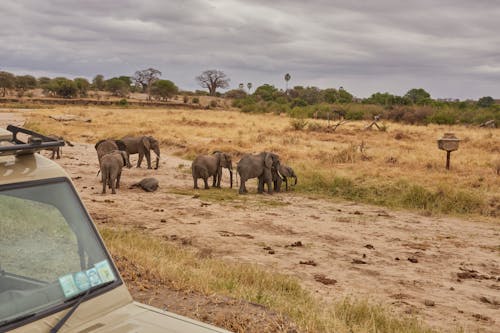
(370, 253)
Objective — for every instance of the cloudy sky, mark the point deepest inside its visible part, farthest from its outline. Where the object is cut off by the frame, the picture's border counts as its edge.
(451, 48)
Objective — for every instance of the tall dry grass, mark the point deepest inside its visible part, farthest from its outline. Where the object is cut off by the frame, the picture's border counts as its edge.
(183, 270)
(398, 167)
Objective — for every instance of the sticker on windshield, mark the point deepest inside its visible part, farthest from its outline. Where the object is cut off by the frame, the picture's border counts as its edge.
(68, 285)
(94, 277)
(82, 281)
(105, 271)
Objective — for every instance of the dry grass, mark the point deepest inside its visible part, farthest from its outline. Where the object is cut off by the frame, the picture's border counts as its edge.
(158, 260)
(369, 166)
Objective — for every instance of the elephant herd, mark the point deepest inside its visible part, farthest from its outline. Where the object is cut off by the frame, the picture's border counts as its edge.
(265, 166)
(113, 155)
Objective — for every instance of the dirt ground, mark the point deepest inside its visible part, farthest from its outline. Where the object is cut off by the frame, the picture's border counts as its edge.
(444, 270)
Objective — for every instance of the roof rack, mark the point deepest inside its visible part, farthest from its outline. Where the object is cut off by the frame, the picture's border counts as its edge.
(36, 142)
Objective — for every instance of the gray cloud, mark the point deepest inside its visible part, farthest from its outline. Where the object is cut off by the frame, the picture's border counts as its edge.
(451, 48)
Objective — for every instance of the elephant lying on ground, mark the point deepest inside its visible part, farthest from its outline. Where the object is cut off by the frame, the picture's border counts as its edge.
(147, 184)
(111, 169)
(258, 166)
(107, 146)
(142, 145)
(205, 166)
(285, 172)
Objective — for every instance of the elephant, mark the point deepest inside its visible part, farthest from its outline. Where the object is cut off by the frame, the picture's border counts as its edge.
(111, 169)
(142, 145)
(257, 166)
(56, 151)
(106, 146)
(285, 172)
(205, 166)
(147, 184)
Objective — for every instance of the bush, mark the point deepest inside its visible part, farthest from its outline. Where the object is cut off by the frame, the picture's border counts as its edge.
(213, 103)
(236, 93)
(122, 102)
(185, 99)
(298, 124)
(196, 100)
(354, 115)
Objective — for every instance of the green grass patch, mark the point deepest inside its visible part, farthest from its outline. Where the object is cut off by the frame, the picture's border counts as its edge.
(399, 194)
(183, 270)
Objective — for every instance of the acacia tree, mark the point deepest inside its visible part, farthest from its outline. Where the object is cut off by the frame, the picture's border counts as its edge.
(146, 78)
(98, 82)
(24, 82)
(7, 81)
(164, 89)
(213, 79)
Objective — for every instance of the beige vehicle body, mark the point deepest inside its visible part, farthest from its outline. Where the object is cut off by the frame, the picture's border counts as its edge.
(109, 309)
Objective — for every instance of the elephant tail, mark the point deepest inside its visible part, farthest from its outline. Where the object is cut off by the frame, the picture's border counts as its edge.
(98, 172)
(295, 180)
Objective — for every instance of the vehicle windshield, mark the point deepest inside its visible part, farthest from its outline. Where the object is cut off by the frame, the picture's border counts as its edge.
(49, 250)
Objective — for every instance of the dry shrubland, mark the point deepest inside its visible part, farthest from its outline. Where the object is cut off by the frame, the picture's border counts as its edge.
(398, 167)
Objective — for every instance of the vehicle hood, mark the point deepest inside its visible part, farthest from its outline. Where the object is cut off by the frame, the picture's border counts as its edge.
(140, 318)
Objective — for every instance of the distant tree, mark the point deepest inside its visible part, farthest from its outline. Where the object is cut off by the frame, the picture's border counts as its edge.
(330, 95)
(344, 96)
(43, 81)
(117, 87)
(83, 86)
(145, 79)
(249, 86)
(163, 89)
(126, 79)
(98, 83)
(485, 102)
(236, 94)
(418, 96)
(266, 92)
(287, 78)
(24, 82)
(62, 87)
(213, 79)
(7, 81)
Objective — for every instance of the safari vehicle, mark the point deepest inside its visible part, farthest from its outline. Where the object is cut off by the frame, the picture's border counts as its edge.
(55, 272)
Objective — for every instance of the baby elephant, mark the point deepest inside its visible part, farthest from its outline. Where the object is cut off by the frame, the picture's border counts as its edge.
(285, 172)
(205, 166)
(111, 169)
(147, 184)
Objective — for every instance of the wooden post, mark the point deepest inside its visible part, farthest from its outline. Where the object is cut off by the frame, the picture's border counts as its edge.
(448, 154)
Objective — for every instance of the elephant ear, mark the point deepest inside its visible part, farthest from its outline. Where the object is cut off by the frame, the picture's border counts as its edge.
(121, 145)
(268, 161)
(98, 143)
(146, 142)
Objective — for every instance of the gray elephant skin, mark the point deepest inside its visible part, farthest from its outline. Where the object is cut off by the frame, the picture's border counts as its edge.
(111, 169)
(106, 146)
(57, 151)
(258, 166)
(285, 172)
(205, 166)
(149, 184)
(142, 145)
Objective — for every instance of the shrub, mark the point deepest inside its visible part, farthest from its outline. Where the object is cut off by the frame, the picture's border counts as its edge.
(298, 124)
(213, 103)
(122, 102)
(196, 100)
(185, 99)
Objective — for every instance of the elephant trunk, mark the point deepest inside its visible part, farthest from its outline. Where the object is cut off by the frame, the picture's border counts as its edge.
(231, 178)
(157, 161)
(295, 181)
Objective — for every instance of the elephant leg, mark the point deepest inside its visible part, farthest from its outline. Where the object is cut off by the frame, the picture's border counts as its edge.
(139, 161)
(113, 190)
(57, 153)
(53, 154)
(148, 158)
(118, 179)
(206, 183)
(214, 184)
(269, 186)
(286, 183)
(128, 161)
(242, 189)
(195, 181)
(104, 182)
(219, 176)
(260, 186)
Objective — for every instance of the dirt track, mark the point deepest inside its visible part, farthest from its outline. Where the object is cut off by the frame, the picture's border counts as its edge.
(445, 270)
(398, 258)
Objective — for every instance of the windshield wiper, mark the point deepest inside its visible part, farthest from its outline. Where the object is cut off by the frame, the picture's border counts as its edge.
(17, 319)
(82, 297)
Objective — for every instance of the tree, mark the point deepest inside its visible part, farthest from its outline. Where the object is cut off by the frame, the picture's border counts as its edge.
(249, 86)
(24, 82)
(43, 82)
(213, 79)
(7, 81)
(287, 78)
(418, 96)
(62, 87)
(83, 85)
(145, 79)
(163, 89)
(267, 92)
(485, 102)
(117, 87)
(98, 82)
